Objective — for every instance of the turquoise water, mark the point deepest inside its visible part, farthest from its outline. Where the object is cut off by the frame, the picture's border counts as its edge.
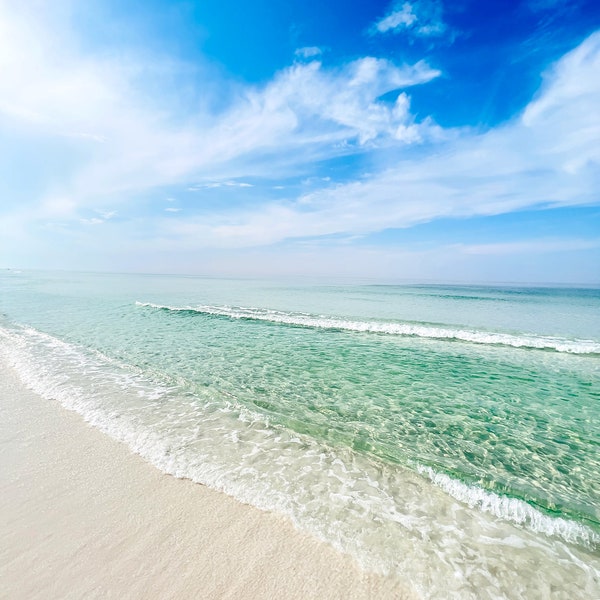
(450, 433)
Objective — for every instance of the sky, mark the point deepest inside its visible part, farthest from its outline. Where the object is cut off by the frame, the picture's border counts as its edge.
(423, 140)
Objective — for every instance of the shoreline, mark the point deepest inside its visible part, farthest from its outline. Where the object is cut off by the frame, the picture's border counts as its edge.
(85, 517)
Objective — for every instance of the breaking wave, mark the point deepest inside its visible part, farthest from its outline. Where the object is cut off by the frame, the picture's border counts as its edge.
(423, 330)
(513, 510)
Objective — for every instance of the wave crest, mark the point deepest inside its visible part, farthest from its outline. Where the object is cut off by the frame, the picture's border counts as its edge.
(513, 510)
(422, 330)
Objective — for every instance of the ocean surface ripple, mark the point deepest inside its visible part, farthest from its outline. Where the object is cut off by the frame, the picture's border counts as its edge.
(448, 432)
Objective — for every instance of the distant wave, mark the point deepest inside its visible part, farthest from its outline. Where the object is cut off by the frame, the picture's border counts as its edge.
(513, 510)
(387, 327)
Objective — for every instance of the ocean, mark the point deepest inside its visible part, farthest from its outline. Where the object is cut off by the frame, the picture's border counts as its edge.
(446, 434)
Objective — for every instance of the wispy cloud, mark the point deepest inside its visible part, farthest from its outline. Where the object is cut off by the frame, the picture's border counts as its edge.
(422, 18)
(219, 184)
(102, 217)
(529, 247)
(547, 157)
(401, 17)
(307, 112)
(308, 52)
(106, 214)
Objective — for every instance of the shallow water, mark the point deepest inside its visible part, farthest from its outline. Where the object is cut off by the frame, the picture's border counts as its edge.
(447, 431)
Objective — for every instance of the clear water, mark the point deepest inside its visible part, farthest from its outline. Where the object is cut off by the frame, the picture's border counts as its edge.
(449, 434)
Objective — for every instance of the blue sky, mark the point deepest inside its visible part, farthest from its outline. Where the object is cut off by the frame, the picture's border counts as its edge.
(425, 140)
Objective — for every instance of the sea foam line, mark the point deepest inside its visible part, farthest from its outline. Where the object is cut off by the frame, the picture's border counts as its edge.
(391, 328)
(513, 510)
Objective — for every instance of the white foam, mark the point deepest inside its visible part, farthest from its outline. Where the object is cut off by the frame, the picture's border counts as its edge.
(390, 519)
(576, 346)
(513, 510)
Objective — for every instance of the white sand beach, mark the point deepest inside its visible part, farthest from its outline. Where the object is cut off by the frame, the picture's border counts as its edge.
(83, 517)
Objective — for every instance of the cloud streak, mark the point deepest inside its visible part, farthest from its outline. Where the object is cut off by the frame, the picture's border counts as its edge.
(548, 157)
(529, 247)
(422, 18)
(125, 142)
(308, 52)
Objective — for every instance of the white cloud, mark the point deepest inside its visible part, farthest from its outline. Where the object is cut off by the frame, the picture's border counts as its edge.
(399, 18)
(119, 138)
(106, 215)
(548, 157)
(308, 52)
(172, 209)
(345, 104)
(102, 218)
(219, 184)
(421, 18)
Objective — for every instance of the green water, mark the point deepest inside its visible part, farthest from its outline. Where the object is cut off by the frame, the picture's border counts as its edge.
(304, 398)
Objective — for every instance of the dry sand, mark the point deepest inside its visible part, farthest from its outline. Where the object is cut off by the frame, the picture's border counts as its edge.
(83, 517)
